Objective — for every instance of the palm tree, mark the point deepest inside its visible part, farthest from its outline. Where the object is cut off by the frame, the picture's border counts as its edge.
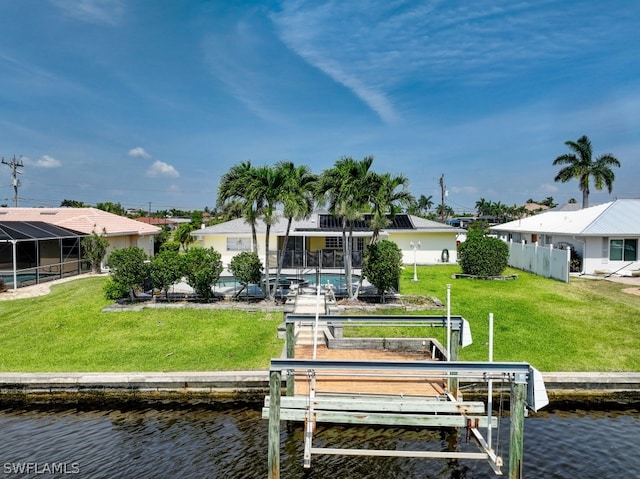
(344, 188)
(581, 166)
(386, 200)
(266, 187)
(236, 187)
(425, 203)
(298, 186)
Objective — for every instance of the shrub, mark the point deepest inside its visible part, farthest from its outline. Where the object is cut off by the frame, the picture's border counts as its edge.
(247, 268)
(167, 268)
(482, 255)
(115, 290)
(382, 265)
(94, 249)
(170, 246)
(203, 268)
(129, 267)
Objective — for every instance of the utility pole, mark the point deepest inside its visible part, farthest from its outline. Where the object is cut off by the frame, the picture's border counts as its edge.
(443, 192)
(14, 165)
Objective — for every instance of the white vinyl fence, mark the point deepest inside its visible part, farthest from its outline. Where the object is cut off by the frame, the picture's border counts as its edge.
(544, 261)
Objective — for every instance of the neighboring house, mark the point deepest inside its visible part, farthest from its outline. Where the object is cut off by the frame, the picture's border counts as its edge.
(160, 222)
(317, 242)
(605, 236)
(121, 232)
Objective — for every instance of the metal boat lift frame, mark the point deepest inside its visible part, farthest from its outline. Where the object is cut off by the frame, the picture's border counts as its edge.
(527, 389)
(525, 386)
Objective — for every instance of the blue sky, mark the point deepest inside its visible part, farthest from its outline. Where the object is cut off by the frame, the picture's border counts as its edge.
(151, 101)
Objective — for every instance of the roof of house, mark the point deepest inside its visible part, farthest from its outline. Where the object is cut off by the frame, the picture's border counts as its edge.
(84, 220)
(322, 223)
(616, 218)
(152, 220)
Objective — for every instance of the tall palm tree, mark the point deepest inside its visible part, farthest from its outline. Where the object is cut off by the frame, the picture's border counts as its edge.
(343, 187)
(236, 187)
(266, 189)
(425, 203)
(387, 199)
(298, 186)
(581, 166)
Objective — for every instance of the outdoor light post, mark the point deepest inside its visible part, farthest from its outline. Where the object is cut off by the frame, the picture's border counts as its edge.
(414, 247)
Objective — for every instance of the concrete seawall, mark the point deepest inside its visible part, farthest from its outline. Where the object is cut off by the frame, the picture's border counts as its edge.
(215, 386)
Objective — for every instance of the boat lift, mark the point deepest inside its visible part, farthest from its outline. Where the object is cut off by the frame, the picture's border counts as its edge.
(527, 389)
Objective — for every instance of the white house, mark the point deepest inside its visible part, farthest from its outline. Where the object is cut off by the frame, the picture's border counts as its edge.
(317, 241)
(605, 236)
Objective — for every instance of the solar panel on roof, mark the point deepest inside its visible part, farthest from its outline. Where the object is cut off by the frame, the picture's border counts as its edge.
(331, 223)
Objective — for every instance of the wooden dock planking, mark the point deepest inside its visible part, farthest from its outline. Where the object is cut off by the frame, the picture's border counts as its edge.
(376, 382)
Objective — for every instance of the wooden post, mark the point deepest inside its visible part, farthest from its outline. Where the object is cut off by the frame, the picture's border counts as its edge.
(454, 353)
(275, 383)
(291, 353)
(516, 433)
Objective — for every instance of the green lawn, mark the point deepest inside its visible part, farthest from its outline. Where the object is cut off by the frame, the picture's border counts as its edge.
(67, 331)
(585, 325)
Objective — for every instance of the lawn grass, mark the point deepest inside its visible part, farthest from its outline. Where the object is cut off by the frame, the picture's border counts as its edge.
(67, 331)
(586, 325)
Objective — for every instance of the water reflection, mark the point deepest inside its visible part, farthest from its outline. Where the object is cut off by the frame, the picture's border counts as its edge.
(231, 442)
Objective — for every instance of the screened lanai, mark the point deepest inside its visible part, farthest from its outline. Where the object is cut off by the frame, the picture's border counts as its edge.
(32, 252)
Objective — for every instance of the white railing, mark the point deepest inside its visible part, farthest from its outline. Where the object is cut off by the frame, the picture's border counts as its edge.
(544, 261)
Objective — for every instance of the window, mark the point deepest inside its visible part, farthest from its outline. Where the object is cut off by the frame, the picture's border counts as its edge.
(623, 250)
(238, 244)
(333, 242)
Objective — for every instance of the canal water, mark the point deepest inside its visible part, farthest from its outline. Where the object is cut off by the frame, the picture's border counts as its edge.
(230, 441)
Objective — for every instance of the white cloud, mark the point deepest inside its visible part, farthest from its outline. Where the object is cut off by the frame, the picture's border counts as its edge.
(160, 168)
(45, 161)
(107, 12)
(138, 152)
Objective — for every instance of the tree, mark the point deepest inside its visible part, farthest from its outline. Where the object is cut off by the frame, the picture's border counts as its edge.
(382, 265)
(183, 235)
(108, 206)
(388, 196)
(129, 268)
(73, 204)
(167, 268)
(203, 268)
(343, 188)
(581, 166)
(266, 188)
(298, 187)
(236, 186)
(482, 255)
(246, 267)
(94, 249)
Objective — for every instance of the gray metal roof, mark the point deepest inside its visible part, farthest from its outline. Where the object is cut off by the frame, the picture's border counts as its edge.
(616, 218)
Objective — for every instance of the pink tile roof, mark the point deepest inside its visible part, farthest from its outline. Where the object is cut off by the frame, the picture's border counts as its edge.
(85, 220)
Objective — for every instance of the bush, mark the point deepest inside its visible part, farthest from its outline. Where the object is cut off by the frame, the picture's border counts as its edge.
(382, 265)
(170, 246)
(203, 268)
(167, 268)
(94, 249)
(129, 267)
(115, 290)
(482, 255)
(247, 268)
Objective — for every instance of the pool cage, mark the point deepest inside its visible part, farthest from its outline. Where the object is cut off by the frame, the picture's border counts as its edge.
(32, 252)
